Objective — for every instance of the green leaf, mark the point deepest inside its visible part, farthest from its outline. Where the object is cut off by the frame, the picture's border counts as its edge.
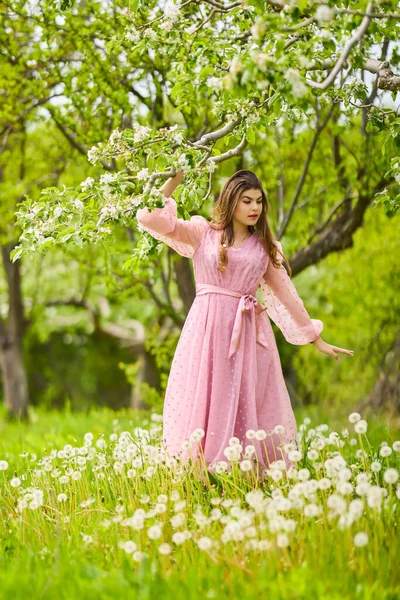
(251, 135)
(205, 71)
(134, 5)
(16, 253)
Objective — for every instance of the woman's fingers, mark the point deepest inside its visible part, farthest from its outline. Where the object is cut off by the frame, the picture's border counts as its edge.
(334, 353)
(344, 351)
(341, 351)
(332, 350)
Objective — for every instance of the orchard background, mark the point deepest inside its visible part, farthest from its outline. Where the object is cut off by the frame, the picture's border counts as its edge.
(101, 102)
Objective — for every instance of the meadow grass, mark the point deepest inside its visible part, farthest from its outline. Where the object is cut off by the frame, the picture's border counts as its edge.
(92, 507)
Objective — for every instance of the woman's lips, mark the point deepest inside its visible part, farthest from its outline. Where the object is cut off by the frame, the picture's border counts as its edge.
(253, 216)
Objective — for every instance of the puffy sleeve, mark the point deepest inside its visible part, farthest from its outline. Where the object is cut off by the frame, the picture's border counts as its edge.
(285, 307)
(183, 235)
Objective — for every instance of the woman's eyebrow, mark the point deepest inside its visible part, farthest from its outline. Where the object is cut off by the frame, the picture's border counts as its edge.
(259, 198)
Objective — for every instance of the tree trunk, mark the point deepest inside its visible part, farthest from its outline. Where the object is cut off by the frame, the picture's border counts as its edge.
(385, 394)
(147, 372)
(185, 283)
(14, 378)
(15, 384)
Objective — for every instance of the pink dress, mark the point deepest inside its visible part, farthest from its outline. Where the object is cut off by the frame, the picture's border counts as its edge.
(226, 375)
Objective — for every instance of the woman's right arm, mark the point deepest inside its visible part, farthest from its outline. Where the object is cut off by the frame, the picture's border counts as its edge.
(172, 183)
(184, 236)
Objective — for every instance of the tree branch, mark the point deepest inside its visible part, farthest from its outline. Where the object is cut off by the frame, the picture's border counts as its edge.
(283, 226)
(339, 235)
(355, 39)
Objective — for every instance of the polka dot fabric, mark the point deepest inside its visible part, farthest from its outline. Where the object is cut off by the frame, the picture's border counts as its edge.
(226, 375)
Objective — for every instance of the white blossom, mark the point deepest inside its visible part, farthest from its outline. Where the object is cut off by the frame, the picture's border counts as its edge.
(235, 66)
(58, 211)
(258, 28)
(172, 12)
(132, 35)
(107, 178)
(166, 26)
(211, 165)
(325, 34)
(324, 13)
(141, 132)
(150, 33)
(85, 185)
(93, 154)
(299, 89)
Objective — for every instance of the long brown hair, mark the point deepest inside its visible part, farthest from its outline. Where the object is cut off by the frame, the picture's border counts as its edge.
(221, 217)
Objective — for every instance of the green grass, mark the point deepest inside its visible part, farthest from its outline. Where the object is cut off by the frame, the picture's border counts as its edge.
(44, 552)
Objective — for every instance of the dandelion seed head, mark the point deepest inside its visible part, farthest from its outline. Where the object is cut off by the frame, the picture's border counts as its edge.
(282, 540)
(354, 417)
(385, 451)
(391, 476)
(234, 441)
(154, 532)
(279, 429)
(294, 456)
(246, 465)
(360, 539)
(361, 426)
(205, 543)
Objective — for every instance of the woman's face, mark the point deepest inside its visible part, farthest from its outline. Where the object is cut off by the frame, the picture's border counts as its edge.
(250, 203)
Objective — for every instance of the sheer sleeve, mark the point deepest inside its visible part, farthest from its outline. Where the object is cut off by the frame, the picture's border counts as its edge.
(184, 236)
(285, 307)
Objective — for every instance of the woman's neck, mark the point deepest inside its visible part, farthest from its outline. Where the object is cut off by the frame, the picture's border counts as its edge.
(240, 231)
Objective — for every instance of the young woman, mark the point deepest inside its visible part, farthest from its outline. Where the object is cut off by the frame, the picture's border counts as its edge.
(226, 376)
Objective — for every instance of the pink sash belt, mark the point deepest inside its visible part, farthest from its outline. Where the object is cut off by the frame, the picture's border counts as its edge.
(248, 304)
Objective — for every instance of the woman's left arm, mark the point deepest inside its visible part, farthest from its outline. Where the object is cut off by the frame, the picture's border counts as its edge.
(287, 310)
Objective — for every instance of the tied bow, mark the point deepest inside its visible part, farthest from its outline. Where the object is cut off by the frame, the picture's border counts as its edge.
(247, 304)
